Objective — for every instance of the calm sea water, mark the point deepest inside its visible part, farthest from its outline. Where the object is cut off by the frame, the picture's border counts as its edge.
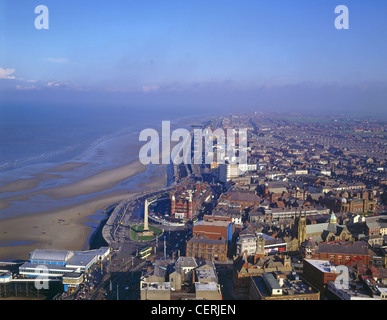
(36, 139)
(31, 136)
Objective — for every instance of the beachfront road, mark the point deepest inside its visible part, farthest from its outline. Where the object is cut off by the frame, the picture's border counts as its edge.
(120, 278)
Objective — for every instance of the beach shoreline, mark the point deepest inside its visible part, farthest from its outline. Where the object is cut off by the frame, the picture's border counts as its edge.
(53, 207)
(66, 227)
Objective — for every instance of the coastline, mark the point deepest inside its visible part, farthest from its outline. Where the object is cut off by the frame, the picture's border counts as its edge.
(66, 227)
(55, 207)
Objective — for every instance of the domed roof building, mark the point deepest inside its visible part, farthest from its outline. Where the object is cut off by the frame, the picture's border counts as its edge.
(59, 256)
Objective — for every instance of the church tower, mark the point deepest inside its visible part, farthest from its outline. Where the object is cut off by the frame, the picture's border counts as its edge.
(260, 248)
(332, 224)
(300, 229)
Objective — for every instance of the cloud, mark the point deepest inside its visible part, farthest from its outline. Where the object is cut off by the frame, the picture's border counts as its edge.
(151, 88)
(7, 73)
(19, 87)
(57, 84)
(38, 85)
(56, 60)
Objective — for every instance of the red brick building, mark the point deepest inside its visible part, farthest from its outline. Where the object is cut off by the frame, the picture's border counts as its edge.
(244, 198)
(182, 208)
(187, 198)
(213, 230)
(209, 249)
(342, 254)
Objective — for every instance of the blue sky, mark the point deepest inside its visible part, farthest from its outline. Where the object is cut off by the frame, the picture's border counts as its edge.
(214, 52)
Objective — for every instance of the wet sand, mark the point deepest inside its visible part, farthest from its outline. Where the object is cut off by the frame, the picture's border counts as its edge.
(63, 198)
(66, 167)
(19, 185)
(65, 227)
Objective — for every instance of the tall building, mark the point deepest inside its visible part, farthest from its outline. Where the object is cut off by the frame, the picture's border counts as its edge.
(300, 229)
(229, 171)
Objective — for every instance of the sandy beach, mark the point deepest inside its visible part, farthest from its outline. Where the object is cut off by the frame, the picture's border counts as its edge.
(51, 208)
(64, 227)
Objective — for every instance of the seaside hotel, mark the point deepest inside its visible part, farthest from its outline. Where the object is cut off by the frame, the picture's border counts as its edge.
(68, 266)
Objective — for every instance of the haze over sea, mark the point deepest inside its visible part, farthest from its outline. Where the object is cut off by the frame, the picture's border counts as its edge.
(34, 135)
(36, 139)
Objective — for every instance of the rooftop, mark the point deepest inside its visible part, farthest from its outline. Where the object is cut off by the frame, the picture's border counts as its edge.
(344, 249)
(322, 265)
(206, 286)
(289, 285)
(51, 255)
(156, 286)
(213, 223)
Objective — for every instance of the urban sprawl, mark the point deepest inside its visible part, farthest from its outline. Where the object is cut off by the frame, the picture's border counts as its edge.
(305, 221)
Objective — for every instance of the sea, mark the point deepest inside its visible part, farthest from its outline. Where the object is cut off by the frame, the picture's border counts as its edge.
(32, 136)
(36, 139)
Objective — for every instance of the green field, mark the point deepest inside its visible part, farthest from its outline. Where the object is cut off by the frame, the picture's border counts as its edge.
(135, 233)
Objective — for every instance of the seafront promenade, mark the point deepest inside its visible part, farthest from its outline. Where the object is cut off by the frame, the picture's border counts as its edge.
(121, 215)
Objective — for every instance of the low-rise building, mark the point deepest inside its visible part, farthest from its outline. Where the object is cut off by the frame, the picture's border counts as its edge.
(279, 286)
(69, 266)
(208, 291)
(319, 272)
(155, 290)
(209, 249)
(343, 254)
(213, 229)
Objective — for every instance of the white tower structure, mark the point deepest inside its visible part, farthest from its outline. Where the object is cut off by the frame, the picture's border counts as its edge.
(146, 227)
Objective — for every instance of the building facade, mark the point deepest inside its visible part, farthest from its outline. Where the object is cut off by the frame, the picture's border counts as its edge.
(209, 249)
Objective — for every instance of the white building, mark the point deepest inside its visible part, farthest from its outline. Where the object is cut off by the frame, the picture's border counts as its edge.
(67, 265)
(246, 242)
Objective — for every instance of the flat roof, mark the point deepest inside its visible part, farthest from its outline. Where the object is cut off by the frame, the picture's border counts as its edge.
(206, 286)
(81, 258)
(291, 286)
(322, 265)
(213, 223)
(156, 286)
(206, 273)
